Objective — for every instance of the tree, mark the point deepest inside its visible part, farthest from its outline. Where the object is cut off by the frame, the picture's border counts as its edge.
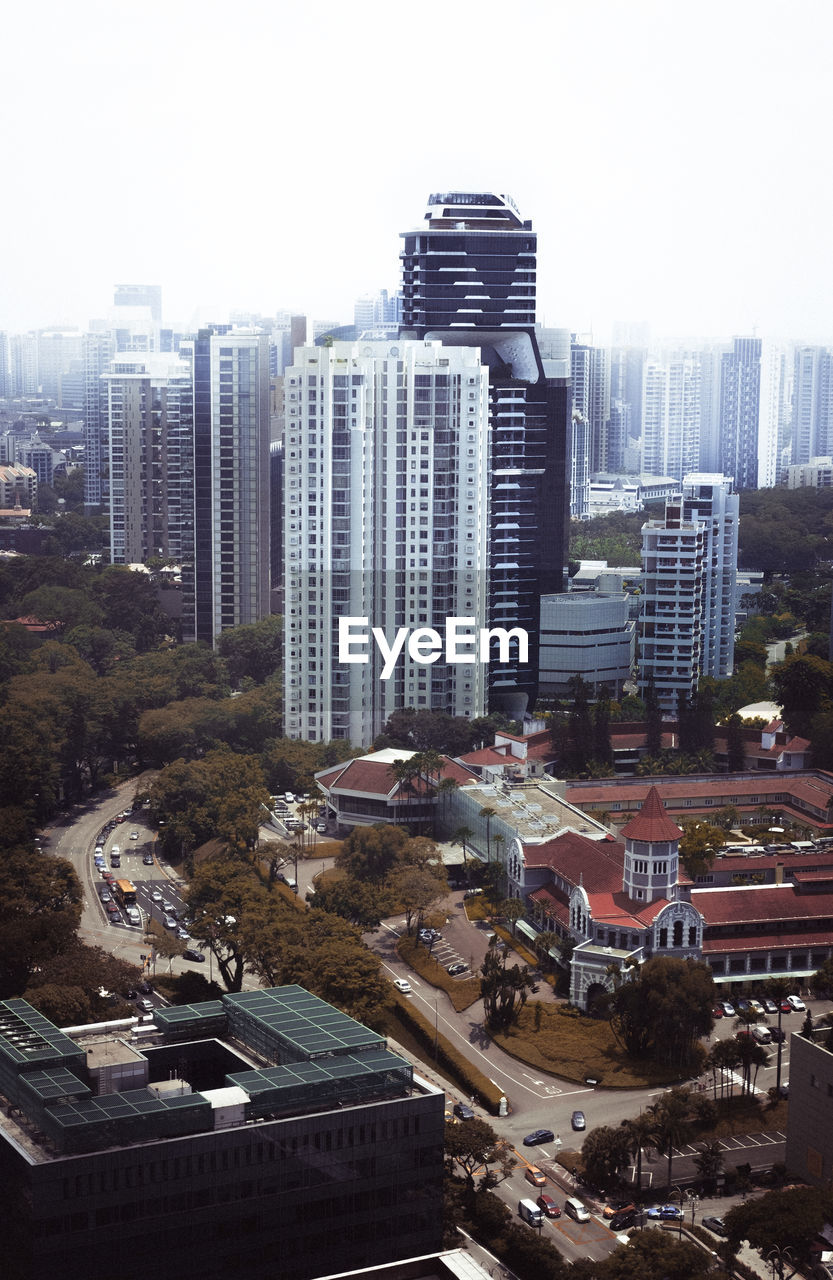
(802, 685)
(602, 749)
(225, 898)
(362, 904)
(40, 906)
(605, 1153)
(651, 1255)
(579, 727)
(698, 846)
(709, 1162)
(672, 1123)
(789, 1219)
(488, 813)
(252, 651)
(664, 1009)
(372, 853)
(463, 836)
(472, 1145)
(514, 909)
(504, 990)
(735, 744)
(418, 890)
(639, 1131)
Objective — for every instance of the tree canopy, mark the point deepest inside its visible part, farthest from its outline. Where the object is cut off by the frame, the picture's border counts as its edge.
(664, 1009)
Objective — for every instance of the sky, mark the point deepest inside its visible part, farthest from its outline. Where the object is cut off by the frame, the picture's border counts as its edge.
(265, 156)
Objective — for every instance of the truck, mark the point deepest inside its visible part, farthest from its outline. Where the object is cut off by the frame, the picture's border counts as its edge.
(530, 1213)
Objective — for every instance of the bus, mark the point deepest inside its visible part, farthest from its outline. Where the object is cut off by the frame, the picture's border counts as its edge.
(124, 891)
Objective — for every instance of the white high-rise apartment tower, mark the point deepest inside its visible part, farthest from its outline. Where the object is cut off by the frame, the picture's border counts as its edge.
(689, 565)
(385, 519)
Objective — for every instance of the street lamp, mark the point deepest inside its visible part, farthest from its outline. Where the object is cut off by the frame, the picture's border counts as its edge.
(776, 1259)
(693, 1200)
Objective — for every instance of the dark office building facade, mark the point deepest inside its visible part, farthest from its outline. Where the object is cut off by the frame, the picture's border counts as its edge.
(468, 279)
(264, 1134)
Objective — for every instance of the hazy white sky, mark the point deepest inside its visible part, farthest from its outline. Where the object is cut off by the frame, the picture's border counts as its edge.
(262, 154)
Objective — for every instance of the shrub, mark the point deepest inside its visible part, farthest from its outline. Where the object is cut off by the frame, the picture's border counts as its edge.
(472, 1081)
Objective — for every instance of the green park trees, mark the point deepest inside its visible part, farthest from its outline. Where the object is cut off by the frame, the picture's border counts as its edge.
(664, 1009)
(505, 988)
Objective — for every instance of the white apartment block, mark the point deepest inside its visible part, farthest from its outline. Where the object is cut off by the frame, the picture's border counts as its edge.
(385, 519)
(815, 474)
(671, 415)
(689, 563)
(589, 635)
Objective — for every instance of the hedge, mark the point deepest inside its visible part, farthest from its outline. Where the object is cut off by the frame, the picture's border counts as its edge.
(472, 1081)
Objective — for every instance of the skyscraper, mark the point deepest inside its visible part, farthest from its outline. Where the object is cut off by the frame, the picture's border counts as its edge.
(385, 501)
(150, 411)
(689, 565)
(812, 419)
(740, 393)
(671, 415)
(98, 351)
(468, 279)
(227, 581)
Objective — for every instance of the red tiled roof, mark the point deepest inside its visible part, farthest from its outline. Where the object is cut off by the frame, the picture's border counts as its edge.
(554, 902)
(489, 755)
(652, 823)
(760, 904)
(597, 864)
(619, 910)
(374, 777)
(764, 942)
(813, 877)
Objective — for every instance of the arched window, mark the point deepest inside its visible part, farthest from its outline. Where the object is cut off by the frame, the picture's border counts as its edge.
(692, 935)
(678, 933)
(663, 937)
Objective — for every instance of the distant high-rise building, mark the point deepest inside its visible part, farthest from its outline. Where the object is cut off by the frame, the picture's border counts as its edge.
(740, 395)
(385, 501)
(98, 350)
(150, 412)
(377, 311)
(227, 581)
(689, 565)
(147, 296)
(136, 317)
(627, 370)
(590, 372)
(58, 351)
(671, 415)
(468, 279)
(812, 415)
(24, 377)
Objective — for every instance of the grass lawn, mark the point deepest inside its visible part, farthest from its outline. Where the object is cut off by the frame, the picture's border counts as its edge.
(570, 1045)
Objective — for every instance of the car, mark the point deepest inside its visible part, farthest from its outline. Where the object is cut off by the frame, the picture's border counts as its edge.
(625, 1217)
(289, 798)
(551, 1209)
(777, 1035)
(170, 923)
(538, 1136)
(169, 908)
(145, 1005)
(742, 1006)
(762, 1035)
(459, 966)
(472, 893)
(716, 1225)
(665, 1212)
(191, 953)
(743, 1033)
(430, 935)
(108, 877)
(717, 1011)
(578, 1120)
(115, 860)
(145, 987)
(796, 1003)
(463, 1111)
(784, 1089)
(115, 851)
(756, 1007)
(156, 896)
(403, 985)
(785, 1006)
(770, 1007)
(134, 835)
(728, 1008)
(183, 934)
(147, 859)
(535, 1175)
(104, 894)
(113, 911)
(321, 828)
(613, 1206)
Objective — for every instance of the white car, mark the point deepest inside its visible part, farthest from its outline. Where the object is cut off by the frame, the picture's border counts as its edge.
(796, 1003)
(134, 835)
(402, 985)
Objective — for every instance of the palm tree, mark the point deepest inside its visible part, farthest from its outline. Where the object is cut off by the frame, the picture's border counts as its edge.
(444, 788)
(672, 1121)
(404, 772)
(544, 942)
(500, 841)
(723, 1061)
(462, 836)
(488, 813)
(640, 1130)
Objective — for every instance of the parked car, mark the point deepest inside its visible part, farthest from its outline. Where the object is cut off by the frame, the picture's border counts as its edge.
(626, 1217)
(770, 1007)
(796, 1003)
(762, 1035)
(578, 1120)
(551, 1209)
(459, 966)
(462, 1111)
(535, 1175)
(717, 1011)
(785, 1006)
(190, 953)
(538, 1136)
(742, 1006)
(113, 911)
(777, 1034)
(715, 1225)
(728, 1008)
(403, 985)
(756, 1007)
(104, 894)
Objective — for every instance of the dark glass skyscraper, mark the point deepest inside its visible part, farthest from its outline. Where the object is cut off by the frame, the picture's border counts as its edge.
(468, 279)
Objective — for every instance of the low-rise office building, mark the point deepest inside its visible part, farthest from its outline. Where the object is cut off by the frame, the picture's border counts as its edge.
(261, 1134)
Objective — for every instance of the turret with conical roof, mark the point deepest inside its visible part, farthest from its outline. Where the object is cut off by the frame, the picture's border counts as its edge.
(652, 842)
